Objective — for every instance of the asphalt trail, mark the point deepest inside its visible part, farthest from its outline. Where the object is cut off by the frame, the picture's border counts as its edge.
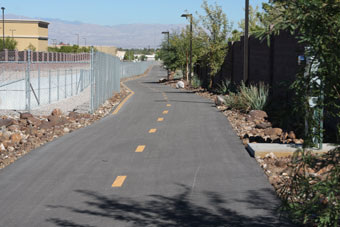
(167, 158)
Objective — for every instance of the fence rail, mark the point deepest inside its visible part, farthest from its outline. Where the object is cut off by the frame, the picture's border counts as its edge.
(38, 79)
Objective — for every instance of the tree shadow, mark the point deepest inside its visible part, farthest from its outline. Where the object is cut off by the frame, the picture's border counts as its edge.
(178, 210)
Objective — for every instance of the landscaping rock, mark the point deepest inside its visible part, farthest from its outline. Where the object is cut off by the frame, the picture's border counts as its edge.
(162, 80)
(46, 125)
(2, 147)
(263, 125)
(273, 132)
(180, 84)
(15, 138)
(25, 115)
(56, 112)
(219, 100)
(66, 130)
(73, 115)
(258, 114)
(14, 128)
(292, 135)
(6, 122)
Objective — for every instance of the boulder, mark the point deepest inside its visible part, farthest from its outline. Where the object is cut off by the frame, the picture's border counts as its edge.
(273, 132)
(25, 115)
(66, 130)
(219, 100)
(16, 138)
(2, 147)
(46, 125)
(6, 122)
(33, 121)
(292, 135)
(14, 128)
(56, 112)
(258, 114)
(73, 115)
(263, 125)
(180, 84)
(162, 80)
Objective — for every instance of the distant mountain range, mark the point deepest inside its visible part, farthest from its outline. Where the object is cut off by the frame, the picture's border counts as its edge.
(123, 35)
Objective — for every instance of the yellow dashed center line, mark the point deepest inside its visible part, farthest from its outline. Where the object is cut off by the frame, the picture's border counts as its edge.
(160, 119)
(119, 181)
(140, 148)
(153, 130)
(165, 111)
(168, 105)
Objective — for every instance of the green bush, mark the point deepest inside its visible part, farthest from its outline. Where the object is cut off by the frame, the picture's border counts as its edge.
(196, 82)
(10, 44)
(313, 199)
(223, 87)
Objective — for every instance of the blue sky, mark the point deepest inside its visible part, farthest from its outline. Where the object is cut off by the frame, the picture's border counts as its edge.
(112, 12)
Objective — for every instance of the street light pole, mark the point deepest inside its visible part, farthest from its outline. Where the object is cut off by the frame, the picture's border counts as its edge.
(246, 44)
(77, 39)
(3, 27)
(190, 58)
(168, 33)
(12, 30)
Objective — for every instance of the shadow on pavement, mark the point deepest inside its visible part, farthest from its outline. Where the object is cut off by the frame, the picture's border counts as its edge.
(176, 211)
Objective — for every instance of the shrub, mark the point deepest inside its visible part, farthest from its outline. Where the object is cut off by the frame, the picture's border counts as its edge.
(223, 87)
(255, 96)
(248, 98)
(196, 82)
(309, 198)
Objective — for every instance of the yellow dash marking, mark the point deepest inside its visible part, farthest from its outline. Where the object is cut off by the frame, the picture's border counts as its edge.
(168, 105)
(140, 148)
(119, 181)
(165, 111)
(153, 130)
(160, 119)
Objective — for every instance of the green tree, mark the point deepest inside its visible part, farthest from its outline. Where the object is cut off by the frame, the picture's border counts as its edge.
(316, 24)
(216, 27)
(10, 44)
(255, 24)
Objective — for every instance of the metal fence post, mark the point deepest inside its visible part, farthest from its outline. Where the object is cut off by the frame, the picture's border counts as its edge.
(39, 84)
(65, 83)
(27, 84)
(58, 75)
(49, 86)
(91, 81)
(71, 82)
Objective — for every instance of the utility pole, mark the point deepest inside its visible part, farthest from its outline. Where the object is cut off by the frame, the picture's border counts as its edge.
(168, 33)
(246, 44)
(190, 38)
(3, 27)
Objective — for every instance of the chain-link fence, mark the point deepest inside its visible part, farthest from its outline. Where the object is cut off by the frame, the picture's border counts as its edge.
(107, 70)
(28, 80)
(32, 79)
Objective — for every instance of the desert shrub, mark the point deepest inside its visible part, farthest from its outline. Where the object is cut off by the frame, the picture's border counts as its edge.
(311, 194)
(196, 82)
(223, 87)
(255, 96)
(248, 97)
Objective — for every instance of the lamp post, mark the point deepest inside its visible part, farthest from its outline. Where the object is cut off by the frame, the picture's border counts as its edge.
(190, 58)
(12, 30)
(3, 27)
(77, 34)
(168, 33)
(246, 46)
